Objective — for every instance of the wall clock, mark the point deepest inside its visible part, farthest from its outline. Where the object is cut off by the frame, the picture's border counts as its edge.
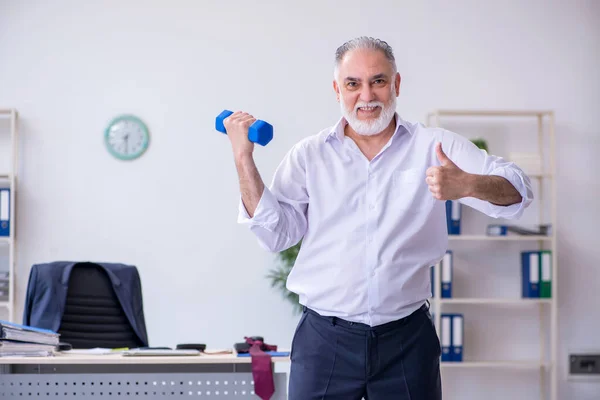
(126, 137)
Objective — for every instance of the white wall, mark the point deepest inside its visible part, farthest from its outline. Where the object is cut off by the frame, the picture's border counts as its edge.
(70, 66)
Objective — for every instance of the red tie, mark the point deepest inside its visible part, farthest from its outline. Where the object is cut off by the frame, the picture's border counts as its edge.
(262, 371)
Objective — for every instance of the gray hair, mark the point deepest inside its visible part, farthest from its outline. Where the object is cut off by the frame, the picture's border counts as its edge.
(365, 42)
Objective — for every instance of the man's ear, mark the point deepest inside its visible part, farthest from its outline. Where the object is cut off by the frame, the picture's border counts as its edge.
(336, 88)
(397, 83)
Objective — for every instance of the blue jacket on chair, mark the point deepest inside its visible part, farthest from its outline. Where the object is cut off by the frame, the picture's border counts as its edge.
(47, 293)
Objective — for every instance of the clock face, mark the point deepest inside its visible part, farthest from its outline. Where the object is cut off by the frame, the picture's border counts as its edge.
(126, 137)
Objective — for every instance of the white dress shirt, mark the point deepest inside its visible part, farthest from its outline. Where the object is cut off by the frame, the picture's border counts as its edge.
(370, 229)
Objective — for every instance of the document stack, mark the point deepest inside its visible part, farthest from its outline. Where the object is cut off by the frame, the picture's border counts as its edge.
(536, 274)
(21, 340)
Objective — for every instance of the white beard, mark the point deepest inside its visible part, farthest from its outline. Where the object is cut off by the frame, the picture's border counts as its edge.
(372, 127)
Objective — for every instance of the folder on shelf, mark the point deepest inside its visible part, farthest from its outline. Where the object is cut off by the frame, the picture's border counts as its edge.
(496, 230)
(447, 269)
(4, 212)
(432, 274)
(446, 333)
(457, 337)
(545, 274)
(530, 274)
(453, 214)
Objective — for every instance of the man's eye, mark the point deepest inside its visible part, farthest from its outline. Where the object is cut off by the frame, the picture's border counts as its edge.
(379, 81)
(351, 84)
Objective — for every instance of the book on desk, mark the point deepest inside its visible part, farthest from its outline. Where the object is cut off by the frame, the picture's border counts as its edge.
(23, 340)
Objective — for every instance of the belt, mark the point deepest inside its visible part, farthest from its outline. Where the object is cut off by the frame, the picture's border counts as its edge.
(364, 327)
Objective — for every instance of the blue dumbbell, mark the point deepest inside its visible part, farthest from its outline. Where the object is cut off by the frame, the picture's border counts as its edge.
(259, 132)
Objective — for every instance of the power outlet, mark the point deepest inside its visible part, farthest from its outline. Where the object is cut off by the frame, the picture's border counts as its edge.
(584, 365)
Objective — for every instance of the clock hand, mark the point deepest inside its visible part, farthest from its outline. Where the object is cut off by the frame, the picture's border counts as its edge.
(126, 137)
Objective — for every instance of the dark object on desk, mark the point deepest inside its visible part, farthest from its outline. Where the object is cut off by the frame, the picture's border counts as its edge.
(152, 348)
(244, 347)
(62, 346)
(191, 346)
(89, 304)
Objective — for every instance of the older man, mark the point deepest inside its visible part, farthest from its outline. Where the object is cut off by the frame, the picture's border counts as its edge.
(367, 197)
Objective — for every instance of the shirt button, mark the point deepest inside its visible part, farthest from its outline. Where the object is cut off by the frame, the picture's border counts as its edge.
(373, 273)
(371, 206)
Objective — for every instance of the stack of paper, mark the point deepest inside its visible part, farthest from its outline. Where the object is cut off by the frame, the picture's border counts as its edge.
(22, 340)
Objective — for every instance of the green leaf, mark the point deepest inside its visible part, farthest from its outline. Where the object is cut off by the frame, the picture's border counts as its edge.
(481, 143)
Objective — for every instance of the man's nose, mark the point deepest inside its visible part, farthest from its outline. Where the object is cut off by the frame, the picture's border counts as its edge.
(367, 94)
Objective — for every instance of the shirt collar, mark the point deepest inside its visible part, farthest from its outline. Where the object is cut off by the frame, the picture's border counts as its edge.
(337, 131)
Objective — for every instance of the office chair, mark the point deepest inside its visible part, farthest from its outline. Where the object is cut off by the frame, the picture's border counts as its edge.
(88, 304)
(93, 316)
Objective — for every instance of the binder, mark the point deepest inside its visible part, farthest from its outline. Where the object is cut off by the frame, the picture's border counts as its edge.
(453, 215)
(4, 212)
(432, 274)
(447, 268)
(25, 333)
(545, 274)
(446, 337)
(530, 274)
(457, 337)
(496, 230)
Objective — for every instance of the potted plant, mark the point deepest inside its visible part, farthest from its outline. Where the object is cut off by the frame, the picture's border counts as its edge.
(481, 143)
(278, 275)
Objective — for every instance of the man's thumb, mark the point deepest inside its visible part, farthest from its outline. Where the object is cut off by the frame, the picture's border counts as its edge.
(444, 160)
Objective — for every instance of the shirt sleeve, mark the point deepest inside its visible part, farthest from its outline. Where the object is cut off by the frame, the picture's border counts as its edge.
(468, 157)
(279, 221)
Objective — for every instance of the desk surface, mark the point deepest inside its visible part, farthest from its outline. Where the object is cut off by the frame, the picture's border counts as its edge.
(60, 358)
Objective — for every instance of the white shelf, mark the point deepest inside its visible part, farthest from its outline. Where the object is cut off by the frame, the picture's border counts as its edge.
(495, 364)
(7, 113)
(499, 301)
(8, 179)
(548, 325)
(501, 238)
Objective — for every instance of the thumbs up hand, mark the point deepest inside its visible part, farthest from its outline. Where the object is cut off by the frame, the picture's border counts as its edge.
(448, 181)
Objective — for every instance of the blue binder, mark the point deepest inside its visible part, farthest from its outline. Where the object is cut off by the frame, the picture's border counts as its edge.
(446, 340)
(447, 268)
(432, 273)
(457, 337)
(453, 214)
(530, 274)
(4, 212)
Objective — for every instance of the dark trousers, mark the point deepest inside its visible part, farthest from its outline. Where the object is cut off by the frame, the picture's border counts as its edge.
(337, 359)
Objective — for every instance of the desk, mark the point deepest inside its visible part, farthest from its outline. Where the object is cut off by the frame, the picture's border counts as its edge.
(79, 377)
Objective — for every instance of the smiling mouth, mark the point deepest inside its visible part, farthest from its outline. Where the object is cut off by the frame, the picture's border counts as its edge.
(368, 110)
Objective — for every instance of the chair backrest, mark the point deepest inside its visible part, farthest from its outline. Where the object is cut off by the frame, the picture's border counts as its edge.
(93, 316)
